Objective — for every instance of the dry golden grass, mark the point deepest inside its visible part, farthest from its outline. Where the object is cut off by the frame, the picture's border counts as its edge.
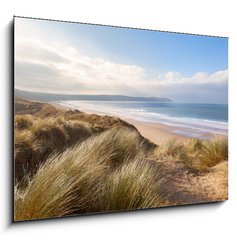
(23, 121)
(35, 108)
(63, 185)
(42, 129)
(197, 155)
(214, 152)
(37, 138)
(123, 144)
(77, 131)
(24, 154)
(108, 172)
(78, 180)
(44, 136)
(206, 154)
(194, 145)
(136, 185)
(172, 148)
(48, 134)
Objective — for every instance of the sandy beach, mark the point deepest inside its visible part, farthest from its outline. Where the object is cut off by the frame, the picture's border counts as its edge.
(160, 133)
(156, 132)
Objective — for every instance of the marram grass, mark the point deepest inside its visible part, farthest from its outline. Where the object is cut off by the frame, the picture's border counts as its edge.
(136, 185)
(108, 172)
(78, 180)
(196, 155)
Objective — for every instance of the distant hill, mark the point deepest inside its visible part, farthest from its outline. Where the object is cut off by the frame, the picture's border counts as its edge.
(47, 97)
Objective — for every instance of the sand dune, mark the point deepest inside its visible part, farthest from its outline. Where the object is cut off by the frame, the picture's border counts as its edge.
(135, 164)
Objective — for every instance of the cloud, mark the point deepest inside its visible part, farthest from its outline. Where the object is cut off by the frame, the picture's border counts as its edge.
(51, 66)
(200, 78)
(38, 66)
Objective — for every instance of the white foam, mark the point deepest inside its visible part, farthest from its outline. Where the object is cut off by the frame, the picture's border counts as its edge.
(196, 125)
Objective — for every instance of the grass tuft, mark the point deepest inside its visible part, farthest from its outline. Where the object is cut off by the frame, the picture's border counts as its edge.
(136, 185)
(71, 182)
(23, 121)
(195, 145)
(172, 148)
(214, 152)
(196, 155)
(77, 131)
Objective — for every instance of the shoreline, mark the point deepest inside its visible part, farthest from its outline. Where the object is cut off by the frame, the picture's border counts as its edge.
(154, 131)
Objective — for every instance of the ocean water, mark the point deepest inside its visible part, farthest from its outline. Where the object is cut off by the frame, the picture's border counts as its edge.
(194, 119)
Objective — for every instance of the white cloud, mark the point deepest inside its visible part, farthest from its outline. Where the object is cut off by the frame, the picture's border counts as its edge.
(51, 66)
(200, 78)
(69, 66)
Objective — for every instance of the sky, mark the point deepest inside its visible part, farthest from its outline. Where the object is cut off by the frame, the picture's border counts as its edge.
(70, 58)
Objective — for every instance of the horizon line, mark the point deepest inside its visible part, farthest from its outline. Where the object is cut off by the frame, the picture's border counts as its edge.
(172, 101)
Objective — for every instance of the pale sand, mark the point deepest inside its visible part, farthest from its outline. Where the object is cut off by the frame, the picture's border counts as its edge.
(156, 132)
(160, 133)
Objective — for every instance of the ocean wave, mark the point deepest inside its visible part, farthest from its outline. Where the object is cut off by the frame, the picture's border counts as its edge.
(187, 122)
(141, 114)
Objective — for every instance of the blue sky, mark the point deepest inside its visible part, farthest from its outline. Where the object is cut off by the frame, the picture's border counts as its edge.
(154, 50)
(108, 60)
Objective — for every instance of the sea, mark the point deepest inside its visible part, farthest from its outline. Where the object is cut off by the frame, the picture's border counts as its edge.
(192, 119)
